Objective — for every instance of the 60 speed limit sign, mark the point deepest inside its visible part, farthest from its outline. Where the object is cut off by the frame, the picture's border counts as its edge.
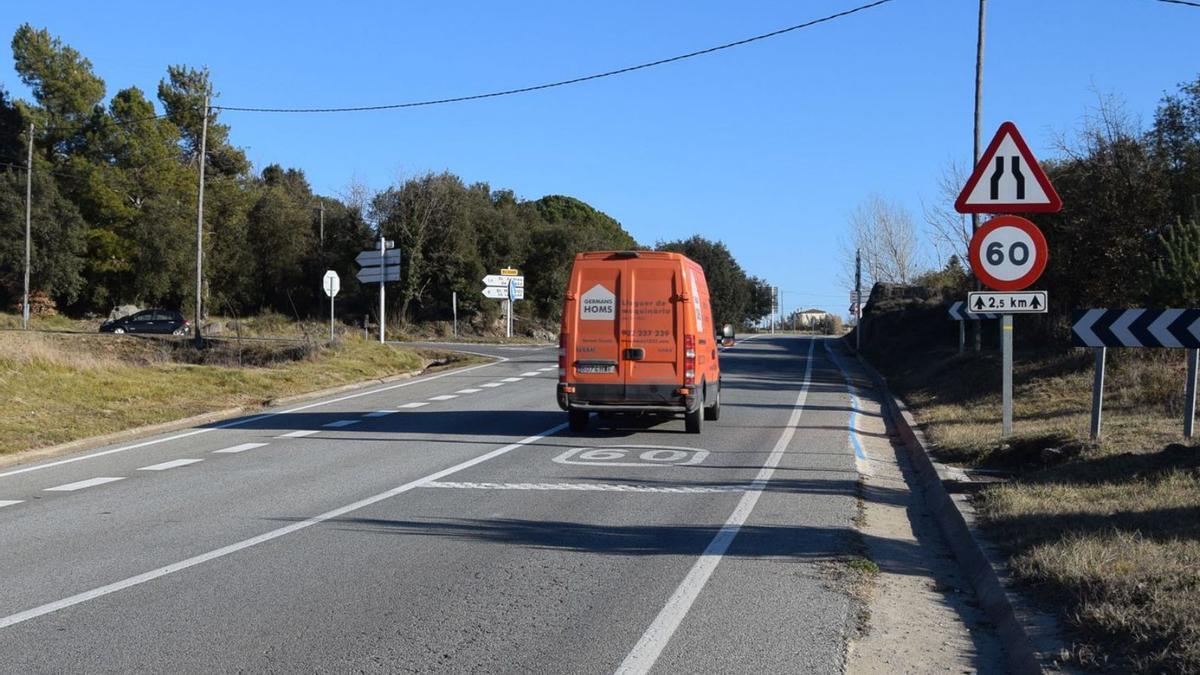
(1008, 253)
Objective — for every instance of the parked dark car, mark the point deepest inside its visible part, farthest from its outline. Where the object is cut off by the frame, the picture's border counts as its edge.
(160, 321)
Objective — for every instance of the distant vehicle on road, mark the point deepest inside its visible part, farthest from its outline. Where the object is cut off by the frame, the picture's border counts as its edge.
(637, 337)
(158, 321)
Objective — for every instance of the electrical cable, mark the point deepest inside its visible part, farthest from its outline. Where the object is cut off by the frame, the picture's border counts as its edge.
(1188, 3)
(563, 83)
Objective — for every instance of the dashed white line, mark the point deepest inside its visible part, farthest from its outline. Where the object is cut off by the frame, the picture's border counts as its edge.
(414, 404)
(239, 448)
(300, 433)
(129, 582)
(468, 391)
(380, 413)
(340, 423)
(491, 385)
(173, 464)
(532, 373)
(9, 502)
(547, 369)
(511, 379)
(443, 397)
(91, 482)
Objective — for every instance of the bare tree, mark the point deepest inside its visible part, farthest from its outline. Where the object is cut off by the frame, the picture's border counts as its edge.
(884, 233)
(949, 231)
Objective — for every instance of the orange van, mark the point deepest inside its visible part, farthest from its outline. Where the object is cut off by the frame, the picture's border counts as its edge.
(637, 336)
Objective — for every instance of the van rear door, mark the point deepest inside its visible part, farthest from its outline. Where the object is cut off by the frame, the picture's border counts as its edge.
(650, 325)
(596, 359)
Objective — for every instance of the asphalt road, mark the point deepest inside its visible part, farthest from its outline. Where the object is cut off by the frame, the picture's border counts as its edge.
(449, 523)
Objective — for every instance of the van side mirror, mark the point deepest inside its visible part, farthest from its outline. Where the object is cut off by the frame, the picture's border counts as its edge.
(727, 331)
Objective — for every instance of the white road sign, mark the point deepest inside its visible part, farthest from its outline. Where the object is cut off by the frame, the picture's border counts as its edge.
(1021, 302)
(498, 280)
(373, 275)
(501, 292)
(332, 283)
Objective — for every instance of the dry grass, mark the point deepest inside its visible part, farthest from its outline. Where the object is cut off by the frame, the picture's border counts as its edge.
(1107, 533)
(59, 388)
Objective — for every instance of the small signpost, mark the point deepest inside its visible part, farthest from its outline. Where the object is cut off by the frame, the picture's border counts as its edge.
(958, 312)
(508, 286)
(1008, 253)
(381, 265)
(1140, 328)
(332, 284)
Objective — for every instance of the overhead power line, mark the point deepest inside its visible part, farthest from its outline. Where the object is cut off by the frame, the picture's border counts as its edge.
(563, 83)
(1189, 3)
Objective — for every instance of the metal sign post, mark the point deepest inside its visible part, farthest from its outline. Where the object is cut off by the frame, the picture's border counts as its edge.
(380, 266)
(1006, 333)
(332, 284)
(454, 310)
(382, 305)
(1098, 392)
(1189, 411)
(508, 286)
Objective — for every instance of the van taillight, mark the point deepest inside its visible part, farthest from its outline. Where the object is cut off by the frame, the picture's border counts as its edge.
(689, 359)
(562, 356)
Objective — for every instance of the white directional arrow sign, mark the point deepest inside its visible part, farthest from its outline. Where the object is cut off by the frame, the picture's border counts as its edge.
(498, 280)
(501, 293)
(372, 258)
(373, 275)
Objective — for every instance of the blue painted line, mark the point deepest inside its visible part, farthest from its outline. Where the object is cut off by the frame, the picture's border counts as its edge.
(859, 453)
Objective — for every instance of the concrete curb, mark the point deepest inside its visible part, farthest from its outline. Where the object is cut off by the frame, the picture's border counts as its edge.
(1029, 638)
(35, 454)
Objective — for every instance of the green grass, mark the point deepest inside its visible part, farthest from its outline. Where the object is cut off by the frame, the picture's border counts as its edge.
(59, 388)
(1106, 534)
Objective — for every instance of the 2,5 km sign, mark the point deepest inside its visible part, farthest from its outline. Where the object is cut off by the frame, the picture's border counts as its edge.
(1008, 253)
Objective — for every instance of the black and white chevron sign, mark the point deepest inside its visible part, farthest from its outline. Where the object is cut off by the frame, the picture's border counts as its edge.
(1172, 328)
(958, 312)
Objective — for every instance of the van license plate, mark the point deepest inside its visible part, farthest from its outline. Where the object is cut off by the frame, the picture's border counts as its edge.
(595, 369)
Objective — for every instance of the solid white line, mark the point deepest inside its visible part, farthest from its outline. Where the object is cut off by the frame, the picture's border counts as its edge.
(340, 423)
(9, 502)
(239, 448)
(414, 404)
(468, 391)
(48, 608)
(655, 639)
(511, 379)
(91, 482)
(443, 397)
(255, 418)
(532, 373)
(491, 385)
(380, 413)
(300, 433)
(175, 463)
(590, 487)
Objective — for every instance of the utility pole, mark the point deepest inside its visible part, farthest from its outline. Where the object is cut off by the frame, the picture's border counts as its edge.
(28, 227)
(322, 227)
(200, 224)
(976, 328)
(858, 300)
(383, 276)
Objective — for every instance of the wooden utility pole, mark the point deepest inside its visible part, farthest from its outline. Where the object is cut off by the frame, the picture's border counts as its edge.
(975, 325)
(200, 226)
(28, 227)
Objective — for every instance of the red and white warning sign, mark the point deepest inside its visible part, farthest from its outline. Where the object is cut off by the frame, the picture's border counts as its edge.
(1008, 179)
(1008, 253)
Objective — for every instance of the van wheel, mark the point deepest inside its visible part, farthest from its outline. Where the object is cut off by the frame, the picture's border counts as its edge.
(578, 420)
(713, 412)
(693, 421)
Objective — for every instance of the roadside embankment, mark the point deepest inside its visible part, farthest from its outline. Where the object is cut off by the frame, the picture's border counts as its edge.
(1104, 534)
(58, 388)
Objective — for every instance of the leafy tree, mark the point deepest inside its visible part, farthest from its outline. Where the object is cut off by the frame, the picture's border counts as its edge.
(63, 85)
(182, 94)
(56, 234)
(280, 233)
(729, 288)
(1177, 271)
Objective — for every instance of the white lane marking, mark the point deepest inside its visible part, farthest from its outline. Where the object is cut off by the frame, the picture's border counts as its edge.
(414, 404)
(491, 385)
(590, 487)
(380, 413)
(511, 379)
(300, 433)
(468, 391)
(654, 640)
(443, 397)
(239, 448)
(79, 485)
(173, 464)
(650, 455)
(142, 578)
(546, 370)
(9, 502)
(254, 418)
(340, 423)
(532, 373)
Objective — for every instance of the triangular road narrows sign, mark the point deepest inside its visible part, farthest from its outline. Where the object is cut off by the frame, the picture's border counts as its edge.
(1008, 179)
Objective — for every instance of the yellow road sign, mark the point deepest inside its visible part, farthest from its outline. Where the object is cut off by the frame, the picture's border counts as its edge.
(509, 272)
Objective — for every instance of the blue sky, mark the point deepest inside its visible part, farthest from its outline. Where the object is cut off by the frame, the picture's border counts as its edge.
(767, 147)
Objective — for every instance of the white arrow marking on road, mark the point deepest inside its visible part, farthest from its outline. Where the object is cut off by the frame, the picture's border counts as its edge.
(1120, 328)
(238, 448)
(91, 482)
(1159, 328)
(173, 464)
(1083, 328)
